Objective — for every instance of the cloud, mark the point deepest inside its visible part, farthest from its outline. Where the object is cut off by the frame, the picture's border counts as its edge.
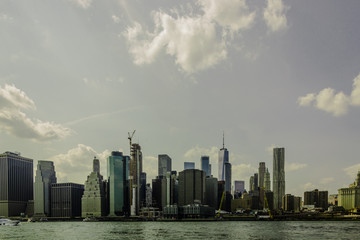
(15, 122)
(193, 40)
(290, 167)
(150, 166)
(82, 3)
(336, 104)
(327, 180)
(352, 170)
(194, 155)
(5, 18)
(309, 186)
(115, 18)
(76, 164)
(274, 15)
(243, 172)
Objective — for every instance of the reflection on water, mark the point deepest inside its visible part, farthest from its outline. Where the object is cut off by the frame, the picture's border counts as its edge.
(182, 230)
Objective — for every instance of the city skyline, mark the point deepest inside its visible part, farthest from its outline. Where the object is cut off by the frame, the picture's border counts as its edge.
(77, 76)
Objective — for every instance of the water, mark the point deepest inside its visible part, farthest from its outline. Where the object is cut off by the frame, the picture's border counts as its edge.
(182, 230)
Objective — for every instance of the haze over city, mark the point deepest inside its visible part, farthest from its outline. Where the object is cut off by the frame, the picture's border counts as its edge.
(77, 75)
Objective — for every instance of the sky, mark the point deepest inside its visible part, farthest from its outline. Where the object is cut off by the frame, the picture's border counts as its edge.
(77, 75)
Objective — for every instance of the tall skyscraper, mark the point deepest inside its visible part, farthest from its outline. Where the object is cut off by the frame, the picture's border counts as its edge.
(93, 200)
(136, 170)
(267, 181)
(262, 171)
(164, 164)
(256, 182)
(251, 183)
(278, 176)
(205, 165)
(45, 176)
(118, 174)
(223, 158)
(189, 165)
(16, 183)
(228, 177)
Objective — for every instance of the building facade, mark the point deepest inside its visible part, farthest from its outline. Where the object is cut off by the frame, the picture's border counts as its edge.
(228, 177)
(164, 164)
(191, 186)
(16, 183)
(317, 198)
(211, 192)
(239, 186)
(45, 176)
(135, 178)
(267, 180)
(66, 199)
(93, 202)
(278, 176)
(223, 158)
(205, 165)
(189, 165)
(349, 198)
(262, 171)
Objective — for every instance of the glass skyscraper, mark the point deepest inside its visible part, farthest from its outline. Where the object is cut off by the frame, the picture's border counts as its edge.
(189, 165)
(205, 165)
(16, 183)
(278, 176)
(164, 164)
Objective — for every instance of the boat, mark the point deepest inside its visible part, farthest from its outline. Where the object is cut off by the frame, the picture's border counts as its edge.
(8, 222)
(31, 220)
(90, 219)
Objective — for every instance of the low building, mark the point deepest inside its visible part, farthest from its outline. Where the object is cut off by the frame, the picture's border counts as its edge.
(317, 198)
(349, 198)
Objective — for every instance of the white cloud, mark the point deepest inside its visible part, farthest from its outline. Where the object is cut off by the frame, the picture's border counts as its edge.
(270, 149)
(274, 15)
(327, 180)
(82, 3)
(336, 104)
(352, 170)
(193, 40)
(115, 18)
(242, 172)
(289, 167)
(309, 186)
(150, 166)
(76, 164)
(15, 122)
(194, 155)
(5, 18)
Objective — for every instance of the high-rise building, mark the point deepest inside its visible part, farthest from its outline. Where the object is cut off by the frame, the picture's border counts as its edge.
(262, 171)
(93, 201)
(164, 164)
(267, 181)
(251, 184)
(349, 197)
(16, 183)
(228, 177)
(291, 203)
(205, 165)
(223, 158)
(118, 174)
(317, 198)
(136, 170)
(239, 186)
(189, 165)
(45, 176)
(211, 192)
(191, 186)
(256, 182)
(278, 176)
(143, 189)
(66, 199)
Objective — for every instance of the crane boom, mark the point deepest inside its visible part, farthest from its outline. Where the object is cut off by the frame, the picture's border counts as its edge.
(221, 201)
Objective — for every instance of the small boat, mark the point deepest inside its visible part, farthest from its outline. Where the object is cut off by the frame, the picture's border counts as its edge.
(43, 220)
(90, 219)
(31, 220)
(8, 222)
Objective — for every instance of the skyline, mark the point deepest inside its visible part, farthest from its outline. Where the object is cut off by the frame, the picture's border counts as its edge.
(77, 76)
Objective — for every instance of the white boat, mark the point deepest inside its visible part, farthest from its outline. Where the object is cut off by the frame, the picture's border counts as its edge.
(8, 222)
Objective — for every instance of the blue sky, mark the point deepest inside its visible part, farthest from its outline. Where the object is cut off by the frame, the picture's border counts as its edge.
(77, 75)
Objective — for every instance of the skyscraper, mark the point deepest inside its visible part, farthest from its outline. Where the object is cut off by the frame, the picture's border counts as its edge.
(223, 158)
(16, 183)
(164, 164)
(66, 199)
(251, 183)
(256, 182)
(267, 181)
(191, 186)
(205, 165)
(262, 171)
(228, 177)
(189, 165)
(93, 199)
(118, 174)
(136, 170)
(278, 176)
(239, 186)
(45, 176)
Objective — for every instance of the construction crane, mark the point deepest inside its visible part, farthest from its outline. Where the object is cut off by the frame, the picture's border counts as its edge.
(130, 137)
(267, 204)
(221, 201)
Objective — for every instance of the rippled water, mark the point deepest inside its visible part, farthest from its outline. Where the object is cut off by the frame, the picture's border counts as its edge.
(183, 230)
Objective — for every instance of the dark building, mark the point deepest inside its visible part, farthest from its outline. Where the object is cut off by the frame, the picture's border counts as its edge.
(16, 183)
(157, 198)
(191, 186)
(66, 199)
(317, 198)
(164, 164)
(211, 192)
(143, 189)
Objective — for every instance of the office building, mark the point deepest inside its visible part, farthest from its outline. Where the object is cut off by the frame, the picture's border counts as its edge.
(291, 203)
(16, 183)
(223, 158)
(93, 202)
(349, 197)
(118, 174)
(317, 198)
(211, 192)
(278, 176)
(205, 165)
(239, 187)
(251, 184)
(267, 181)
(66, 199)
(142, 189)
(159, 192)
(256, 182)
(189, 165)
(228, 177)
(191, 186)
(45, 176)
(164, 164)
(262, 171)
(135, 173)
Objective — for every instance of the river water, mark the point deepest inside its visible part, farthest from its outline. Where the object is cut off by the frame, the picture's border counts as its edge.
(183, 230)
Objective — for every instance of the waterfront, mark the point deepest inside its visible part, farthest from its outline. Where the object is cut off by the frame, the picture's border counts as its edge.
(183, 230)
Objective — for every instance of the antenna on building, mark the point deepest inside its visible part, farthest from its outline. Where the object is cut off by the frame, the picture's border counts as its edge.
(223, 139)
